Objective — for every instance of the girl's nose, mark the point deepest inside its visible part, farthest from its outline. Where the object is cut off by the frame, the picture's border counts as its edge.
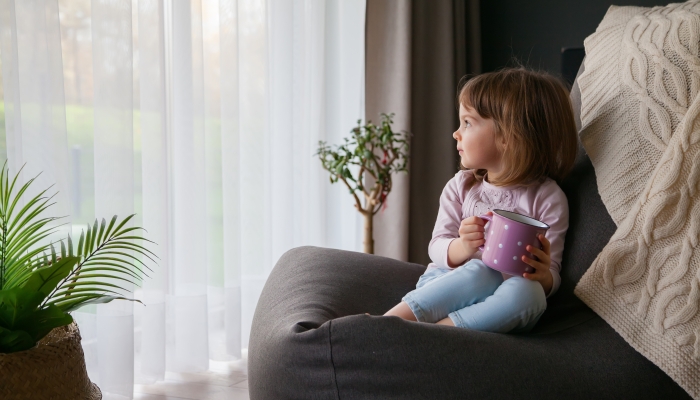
(454, 135)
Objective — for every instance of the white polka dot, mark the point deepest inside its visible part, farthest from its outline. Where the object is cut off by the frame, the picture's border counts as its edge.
(495, 261)
(520, 243)
(487, 247)
(500, 246)
(515, 257)
(491, 230)
(506, 227)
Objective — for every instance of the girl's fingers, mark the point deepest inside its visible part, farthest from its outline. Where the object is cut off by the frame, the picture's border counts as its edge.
(472, 227)
(541, 254)
(473, 221)
(474, 236)
(470, 230)
(531, 276)
(529, 261)
(537, 265)
(476, 243)
(535, 252)
(545, 243)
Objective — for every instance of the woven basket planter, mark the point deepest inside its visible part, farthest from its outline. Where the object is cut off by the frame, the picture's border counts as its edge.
(53, 369)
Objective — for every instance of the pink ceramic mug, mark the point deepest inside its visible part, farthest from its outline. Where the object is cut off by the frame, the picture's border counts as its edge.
(506, 239)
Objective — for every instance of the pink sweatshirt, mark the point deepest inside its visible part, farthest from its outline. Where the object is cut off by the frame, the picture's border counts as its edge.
(545, 202)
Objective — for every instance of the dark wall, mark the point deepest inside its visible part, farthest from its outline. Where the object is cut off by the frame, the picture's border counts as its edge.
(535, 31)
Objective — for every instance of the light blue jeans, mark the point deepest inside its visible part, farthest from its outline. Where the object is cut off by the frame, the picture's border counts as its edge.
(475, 296)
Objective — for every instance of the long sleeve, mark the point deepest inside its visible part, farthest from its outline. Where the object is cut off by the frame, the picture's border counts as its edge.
(553, 209)
(448, 219)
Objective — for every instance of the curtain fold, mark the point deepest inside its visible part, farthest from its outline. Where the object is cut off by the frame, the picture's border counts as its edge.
(388, 90)
(230, 168)
(112, 54)
(203, 117)
(32, 68)
(154, 178)
(417, 52)
(254, 159)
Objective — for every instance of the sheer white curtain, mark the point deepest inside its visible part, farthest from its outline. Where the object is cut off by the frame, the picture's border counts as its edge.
(203, 118)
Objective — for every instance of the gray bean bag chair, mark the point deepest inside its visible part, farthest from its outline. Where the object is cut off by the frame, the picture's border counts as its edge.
(310, 338)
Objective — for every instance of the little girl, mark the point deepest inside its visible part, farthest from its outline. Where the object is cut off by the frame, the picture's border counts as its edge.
(516, 139)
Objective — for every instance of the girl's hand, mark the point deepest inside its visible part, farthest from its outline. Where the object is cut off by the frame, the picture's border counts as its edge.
(471, 234)
(540, 264)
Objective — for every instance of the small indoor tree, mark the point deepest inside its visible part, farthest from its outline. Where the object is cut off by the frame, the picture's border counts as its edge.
(364, 163)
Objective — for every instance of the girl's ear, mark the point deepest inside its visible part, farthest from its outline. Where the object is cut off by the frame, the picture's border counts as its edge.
(501, 141)
(500, 137)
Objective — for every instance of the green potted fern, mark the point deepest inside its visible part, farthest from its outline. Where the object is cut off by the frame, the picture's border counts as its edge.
(41, 284)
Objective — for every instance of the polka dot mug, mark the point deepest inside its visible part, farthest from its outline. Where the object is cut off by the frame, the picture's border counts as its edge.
(506, 236)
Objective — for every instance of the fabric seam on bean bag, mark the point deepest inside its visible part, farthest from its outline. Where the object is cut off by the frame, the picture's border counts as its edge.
(330, 347)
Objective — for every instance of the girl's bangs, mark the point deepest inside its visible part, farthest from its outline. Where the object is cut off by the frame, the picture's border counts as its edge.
(475, 95)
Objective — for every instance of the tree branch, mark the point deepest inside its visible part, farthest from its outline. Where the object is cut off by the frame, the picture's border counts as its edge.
(371, 152)
(378, 194)
(369, 170)
(357, 199)
(393, 158)
(360, 179)
(371, 198)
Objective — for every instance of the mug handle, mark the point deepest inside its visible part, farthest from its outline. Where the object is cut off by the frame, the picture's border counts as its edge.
(486, 218)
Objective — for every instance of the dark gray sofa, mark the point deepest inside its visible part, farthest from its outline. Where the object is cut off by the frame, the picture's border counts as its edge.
(310, 338)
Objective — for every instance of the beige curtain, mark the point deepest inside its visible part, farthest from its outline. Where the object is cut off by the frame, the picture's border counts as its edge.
(416, 53)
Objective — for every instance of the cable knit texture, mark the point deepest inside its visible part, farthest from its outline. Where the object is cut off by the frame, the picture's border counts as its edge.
(640, 118)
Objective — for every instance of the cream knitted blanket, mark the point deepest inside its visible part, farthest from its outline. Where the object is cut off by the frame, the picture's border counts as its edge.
(640, 118)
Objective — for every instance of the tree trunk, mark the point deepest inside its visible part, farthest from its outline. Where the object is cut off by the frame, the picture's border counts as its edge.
(369, 241)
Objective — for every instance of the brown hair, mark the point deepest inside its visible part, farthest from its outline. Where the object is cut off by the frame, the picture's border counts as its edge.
(532, 112)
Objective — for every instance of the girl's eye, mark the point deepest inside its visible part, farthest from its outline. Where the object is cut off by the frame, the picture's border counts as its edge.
(466, 123)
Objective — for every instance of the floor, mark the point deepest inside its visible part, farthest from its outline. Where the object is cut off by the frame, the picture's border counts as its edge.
(222, 381)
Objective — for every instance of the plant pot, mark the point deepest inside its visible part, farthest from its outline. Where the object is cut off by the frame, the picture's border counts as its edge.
(53, 369)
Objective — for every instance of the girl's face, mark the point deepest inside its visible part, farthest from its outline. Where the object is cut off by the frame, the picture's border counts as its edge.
(476, 142)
